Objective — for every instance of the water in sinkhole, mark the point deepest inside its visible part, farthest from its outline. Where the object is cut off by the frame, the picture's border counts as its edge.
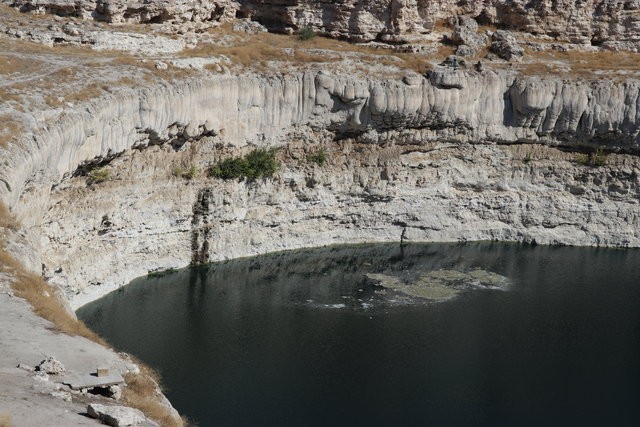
(493, 334)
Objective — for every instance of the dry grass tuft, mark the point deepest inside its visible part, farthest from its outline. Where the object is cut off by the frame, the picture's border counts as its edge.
(10, 64)
(580, 64)
(44, 299)
(9, 130)
(5, 420)
(142, 392)
(7, 220)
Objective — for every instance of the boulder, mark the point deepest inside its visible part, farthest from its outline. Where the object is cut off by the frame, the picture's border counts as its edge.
(51, 365)
(465, 33)
(116, 416)
(505, 45)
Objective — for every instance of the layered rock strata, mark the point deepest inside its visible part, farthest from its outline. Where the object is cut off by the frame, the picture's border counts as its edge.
(609, 24)
(419, 156)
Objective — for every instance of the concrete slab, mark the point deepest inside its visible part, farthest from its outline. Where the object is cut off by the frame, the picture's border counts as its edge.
(80, 381)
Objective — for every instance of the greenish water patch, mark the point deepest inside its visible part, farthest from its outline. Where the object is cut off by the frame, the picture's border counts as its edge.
(441, 285)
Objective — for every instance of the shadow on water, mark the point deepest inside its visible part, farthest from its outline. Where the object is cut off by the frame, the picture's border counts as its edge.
(304, 338)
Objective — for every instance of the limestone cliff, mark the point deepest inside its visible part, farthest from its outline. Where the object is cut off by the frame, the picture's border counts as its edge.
(425, 161)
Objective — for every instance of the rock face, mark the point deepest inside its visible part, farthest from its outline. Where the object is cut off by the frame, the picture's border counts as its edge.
(446, 179)
(121, 11)
(610, 24)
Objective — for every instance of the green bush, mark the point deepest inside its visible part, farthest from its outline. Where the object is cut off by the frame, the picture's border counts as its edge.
(595, 159)
(98, 175)
(306, 33)
(259, 163)
(527, 159)
(318, 157)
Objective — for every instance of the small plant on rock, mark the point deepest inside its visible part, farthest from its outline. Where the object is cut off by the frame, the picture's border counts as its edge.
(188, 173)
(595, 159)
(527, 159)
(318, 157)
(98, 175)
(259, 163)
(306, 33)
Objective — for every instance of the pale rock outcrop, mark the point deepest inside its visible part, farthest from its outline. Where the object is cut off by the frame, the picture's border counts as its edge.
(505, 45)
(465, 35)
(51, 365)
(118, 416)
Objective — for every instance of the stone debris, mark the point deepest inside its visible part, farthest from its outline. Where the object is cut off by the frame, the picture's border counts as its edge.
(63, 395)
(40, 376)
(114, 392)
(25, 367)
(249, 27)
(116, 416)
(465, 35)
(505, 45)
(88, 381)
(51, 365)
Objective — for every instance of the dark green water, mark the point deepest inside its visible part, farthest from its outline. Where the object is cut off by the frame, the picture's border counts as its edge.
(302, 338)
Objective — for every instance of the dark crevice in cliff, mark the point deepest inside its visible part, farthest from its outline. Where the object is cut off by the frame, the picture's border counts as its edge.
(200, 227)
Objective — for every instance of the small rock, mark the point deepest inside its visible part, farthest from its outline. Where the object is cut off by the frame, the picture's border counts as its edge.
(116, 416)
(51, 365)
(505, 45)
(61, 395)
(464, 50)
(25, 367)
(161, 65)
(115, 392)
(465, 33)
(71, 29)
(40, 376)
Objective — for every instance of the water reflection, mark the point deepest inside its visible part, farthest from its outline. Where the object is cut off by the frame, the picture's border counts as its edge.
(287, 339)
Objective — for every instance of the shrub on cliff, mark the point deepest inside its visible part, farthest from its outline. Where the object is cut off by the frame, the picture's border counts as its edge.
(98, 175)
(259, 163)
(318, 157)
(596, 159)
(188, 173)
(306, 33)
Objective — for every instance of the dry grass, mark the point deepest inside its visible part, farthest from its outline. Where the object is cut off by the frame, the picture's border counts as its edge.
(5, 420)
(44, 299)
(141, 392)
(10, 64)
(9, 130)
(7, 220)
(581, 64)
(256, 50)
